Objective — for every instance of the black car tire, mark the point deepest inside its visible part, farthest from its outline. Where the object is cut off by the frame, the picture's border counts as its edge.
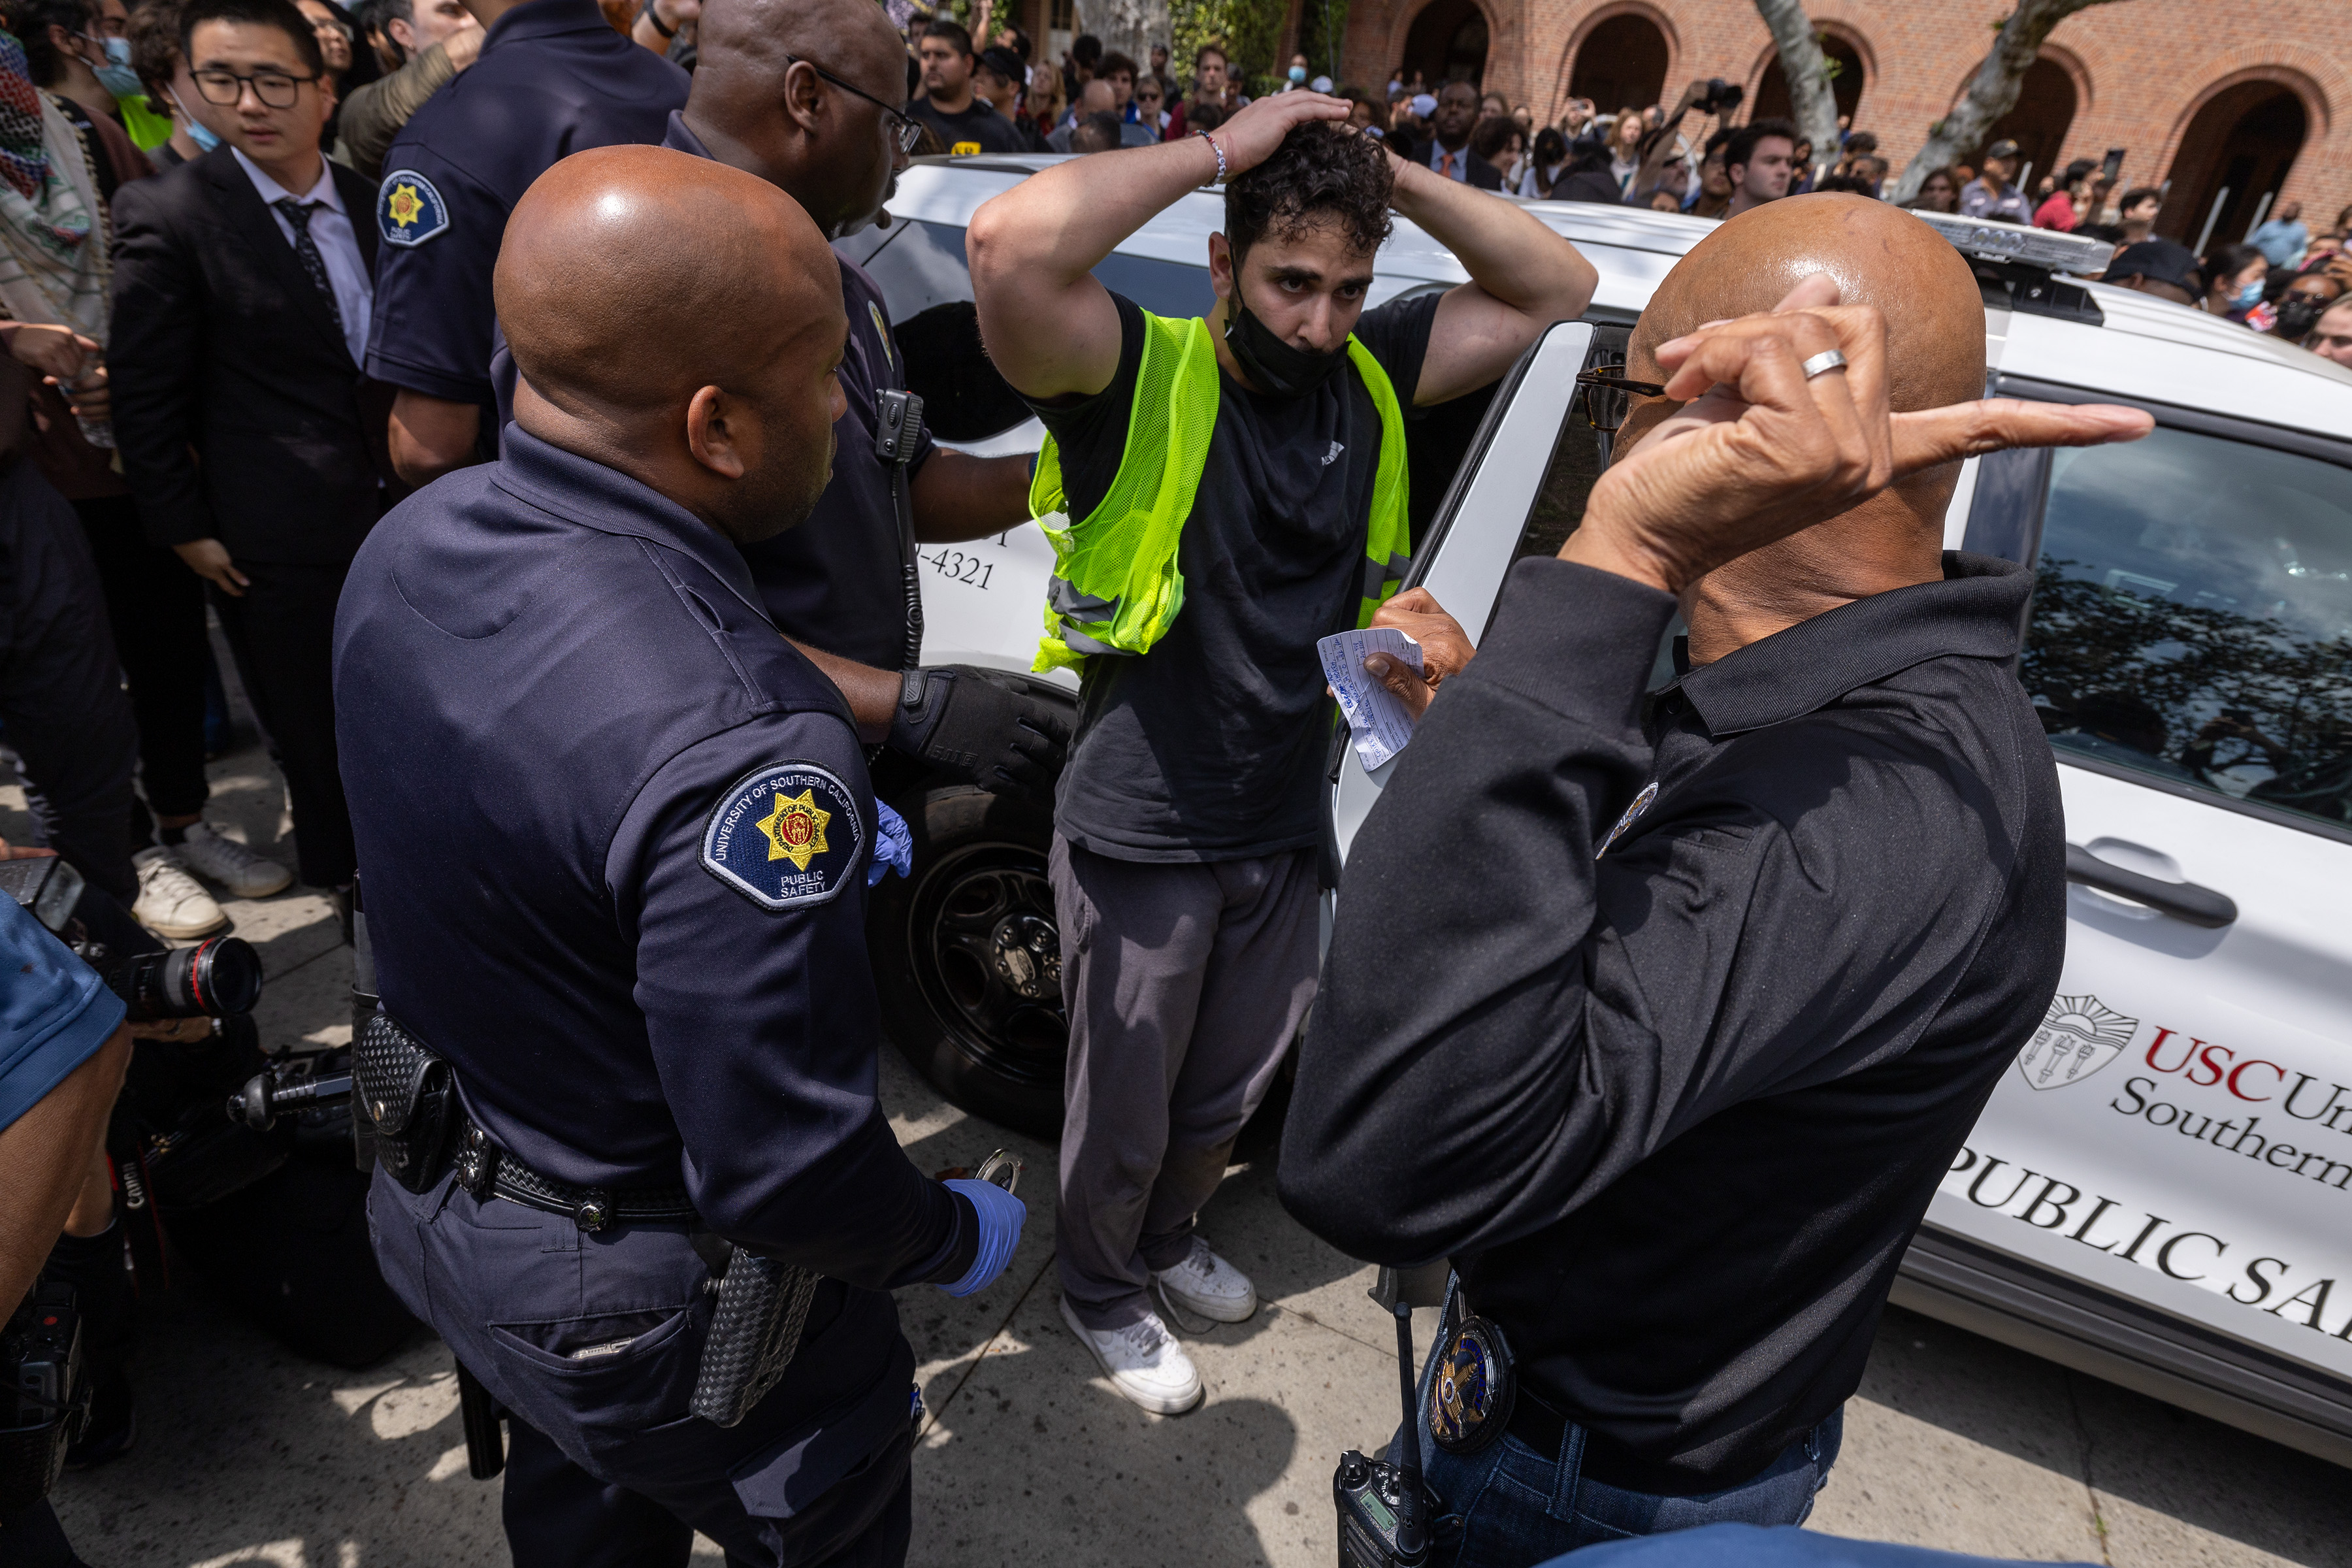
(967, 957)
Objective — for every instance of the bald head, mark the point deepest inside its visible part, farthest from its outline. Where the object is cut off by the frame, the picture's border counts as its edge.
(642, 290)
(1879, 255)
(833, 150)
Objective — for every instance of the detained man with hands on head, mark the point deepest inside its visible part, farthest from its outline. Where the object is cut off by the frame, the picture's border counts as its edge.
(1221, 493)
(1661, 1016)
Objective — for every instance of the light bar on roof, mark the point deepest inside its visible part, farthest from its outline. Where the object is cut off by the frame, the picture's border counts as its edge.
(2042, 247)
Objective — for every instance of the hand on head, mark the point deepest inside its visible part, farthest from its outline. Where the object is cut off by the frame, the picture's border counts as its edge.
(681, 321)
(1837, 483)
(1760, 449)
(1250, 137)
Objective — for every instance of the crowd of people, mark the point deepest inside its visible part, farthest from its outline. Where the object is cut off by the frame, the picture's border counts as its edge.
(394, 339)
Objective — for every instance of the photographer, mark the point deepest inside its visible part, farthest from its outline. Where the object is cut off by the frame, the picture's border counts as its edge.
(1663, 1018)
(63, 1049)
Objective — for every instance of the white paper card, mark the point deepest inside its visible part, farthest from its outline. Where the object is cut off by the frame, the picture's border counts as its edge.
(1381, 725)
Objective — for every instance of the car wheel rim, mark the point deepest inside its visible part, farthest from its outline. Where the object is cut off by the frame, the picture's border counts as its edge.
(988, 960)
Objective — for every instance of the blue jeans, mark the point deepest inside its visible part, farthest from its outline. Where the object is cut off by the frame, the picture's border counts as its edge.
(1507, 1506)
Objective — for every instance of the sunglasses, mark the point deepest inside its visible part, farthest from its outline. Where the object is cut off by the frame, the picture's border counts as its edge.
(909, 130)
(1609, 395)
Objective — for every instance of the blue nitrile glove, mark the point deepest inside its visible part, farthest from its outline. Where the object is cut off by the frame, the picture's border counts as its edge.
(1000, 1214)
(894, 847)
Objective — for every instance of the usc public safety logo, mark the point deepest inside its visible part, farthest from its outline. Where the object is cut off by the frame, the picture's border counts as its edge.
(2078, 1037)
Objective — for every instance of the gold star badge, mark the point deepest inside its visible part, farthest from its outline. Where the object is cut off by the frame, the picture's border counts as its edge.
(796, 828)
(405, 205)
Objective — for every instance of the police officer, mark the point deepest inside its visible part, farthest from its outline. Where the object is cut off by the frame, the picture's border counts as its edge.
(811, 96)
(618, 835)
(553, 78)
(1664, 1019)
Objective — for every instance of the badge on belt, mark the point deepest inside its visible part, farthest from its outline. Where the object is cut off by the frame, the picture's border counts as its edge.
(1470, 1395)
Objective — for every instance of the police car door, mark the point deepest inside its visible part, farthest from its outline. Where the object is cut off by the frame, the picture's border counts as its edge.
(2176, 1136)
(1519, 491)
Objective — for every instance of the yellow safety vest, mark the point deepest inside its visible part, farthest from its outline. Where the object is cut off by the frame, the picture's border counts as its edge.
(1115, 588)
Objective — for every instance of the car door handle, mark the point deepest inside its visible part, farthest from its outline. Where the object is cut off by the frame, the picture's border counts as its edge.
(2182, 900)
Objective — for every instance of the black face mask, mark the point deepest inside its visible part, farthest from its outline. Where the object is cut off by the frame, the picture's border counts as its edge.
(2297, 314)
(1272, 365)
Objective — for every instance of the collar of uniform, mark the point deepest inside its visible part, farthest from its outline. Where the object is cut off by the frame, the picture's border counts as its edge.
(545, 18)
(1972, 613)
(580, 490)
(679, 139)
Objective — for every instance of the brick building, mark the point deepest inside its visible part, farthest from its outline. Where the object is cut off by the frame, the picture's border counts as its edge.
(2230, 106)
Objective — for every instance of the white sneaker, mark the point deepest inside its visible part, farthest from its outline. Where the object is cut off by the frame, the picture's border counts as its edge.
(170, 902)
(1207, 1284)
(207, 852)
(1143, 1361)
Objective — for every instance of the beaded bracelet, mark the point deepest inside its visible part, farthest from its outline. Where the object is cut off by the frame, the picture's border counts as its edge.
(1220, 151)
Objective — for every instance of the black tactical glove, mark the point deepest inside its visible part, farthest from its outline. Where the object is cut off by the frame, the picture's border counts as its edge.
(961, 722)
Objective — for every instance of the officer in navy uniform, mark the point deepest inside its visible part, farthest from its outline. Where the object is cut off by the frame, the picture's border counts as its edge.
(553, 78)
(618, 835)
(811, 95)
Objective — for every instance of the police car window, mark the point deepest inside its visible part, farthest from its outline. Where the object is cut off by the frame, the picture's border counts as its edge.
(2193, 618)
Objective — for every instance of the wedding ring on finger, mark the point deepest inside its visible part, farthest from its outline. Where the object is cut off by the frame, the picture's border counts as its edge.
(1823, 364)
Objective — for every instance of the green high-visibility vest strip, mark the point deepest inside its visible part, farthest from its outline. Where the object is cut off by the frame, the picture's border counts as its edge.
(1115, 588)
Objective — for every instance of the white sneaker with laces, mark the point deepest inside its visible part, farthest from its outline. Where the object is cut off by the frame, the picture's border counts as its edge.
(1143, 1361)
(209, 854)
(1207, 1284)
(170, 902)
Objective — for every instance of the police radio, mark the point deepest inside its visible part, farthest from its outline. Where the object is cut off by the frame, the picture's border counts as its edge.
(897, 431)
(1384, 1509)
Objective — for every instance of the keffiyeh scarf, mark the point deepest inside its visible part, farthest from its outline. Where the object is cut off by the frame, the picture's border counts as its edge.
(49, 210)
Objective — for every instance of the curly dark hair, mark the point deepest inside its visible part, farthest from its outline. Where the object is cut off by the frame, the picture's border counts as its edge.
(1322, 172)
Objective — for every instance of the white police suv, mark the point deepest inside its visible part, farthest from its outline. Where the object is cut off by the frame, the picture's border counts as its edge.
(2160, 1193)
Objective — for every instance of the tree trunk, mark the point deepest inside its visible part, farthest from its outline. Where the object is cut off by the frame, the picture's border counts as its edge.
(1992, 91)
(1807, 72)
(1126, 26)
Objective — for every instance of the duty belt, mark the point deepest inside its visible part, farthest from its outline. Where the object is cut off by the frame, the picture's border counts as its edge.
(487, 1171)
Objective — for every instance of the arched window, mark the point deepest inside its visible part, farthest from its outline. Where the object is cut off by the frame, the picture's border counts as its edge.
(1622, 63)
(1448, 43)
(1773, 101)
(2236, 151)
(2038, 122)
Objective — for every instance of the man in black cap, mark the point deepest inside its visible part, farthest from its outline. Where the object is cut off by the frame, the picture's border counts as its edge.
(2164, 267)
(997, 77)
(1991, 193)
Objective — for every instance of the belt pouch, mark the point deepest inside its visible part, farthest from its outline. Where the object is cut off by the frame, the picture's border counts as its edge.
(754, 1334)
(410, 1095)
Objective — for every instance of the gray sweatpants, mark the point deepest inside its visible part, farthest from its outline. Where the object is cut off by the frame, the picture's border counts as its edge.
(1184, 984)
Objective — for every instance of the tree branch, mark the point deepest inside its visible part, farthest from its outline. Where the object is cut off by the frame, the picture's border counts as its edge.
(1992, 91)
(1806, 71)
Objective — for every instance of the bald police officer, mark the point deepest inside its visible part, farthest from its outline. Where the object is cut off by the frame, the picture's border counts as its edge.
(618, 835)
(553, 78)
(811, 96)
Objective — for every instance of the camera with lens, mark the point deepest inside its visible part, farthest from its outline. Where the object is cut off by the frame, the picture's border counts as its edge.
(44, 1399)
(1722, 97)
(217, 978)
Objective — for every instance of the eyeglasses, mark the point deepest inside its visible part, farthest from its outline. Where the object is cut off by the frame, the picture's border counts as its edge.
(909, 131)
(1609, 395)
(276, 88)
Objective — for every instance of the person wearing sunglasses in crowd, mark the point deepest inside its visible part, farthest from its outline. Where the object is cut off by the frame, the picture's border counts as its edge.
(553, 78)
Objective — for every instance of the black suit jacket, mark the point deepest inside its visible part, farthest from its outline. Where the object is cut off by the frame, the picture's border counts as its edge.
(1479, 173)
(239, 411)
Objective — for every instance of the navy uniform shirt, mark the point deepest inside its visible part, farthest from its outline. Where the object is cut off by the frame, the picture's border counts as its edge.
(616, 833)
(834, 583)
(553, 79)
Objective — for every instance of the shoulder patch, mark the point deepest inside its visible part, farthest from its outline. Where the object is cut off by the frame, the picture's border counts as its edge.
(408, 210)
(786, 836)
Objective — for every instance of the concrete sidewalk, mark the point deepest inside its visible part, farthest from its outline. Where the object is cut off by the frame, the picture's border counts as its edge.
(251, 1454)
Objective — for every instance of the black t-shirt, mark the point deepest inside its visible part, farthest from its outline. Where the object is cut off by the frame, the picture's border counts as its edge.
(1209, 746)
(978, 129)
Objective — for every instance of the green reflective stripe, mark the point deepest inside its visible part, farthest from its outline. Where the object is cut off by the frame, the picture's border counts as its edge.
(1116, 568)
